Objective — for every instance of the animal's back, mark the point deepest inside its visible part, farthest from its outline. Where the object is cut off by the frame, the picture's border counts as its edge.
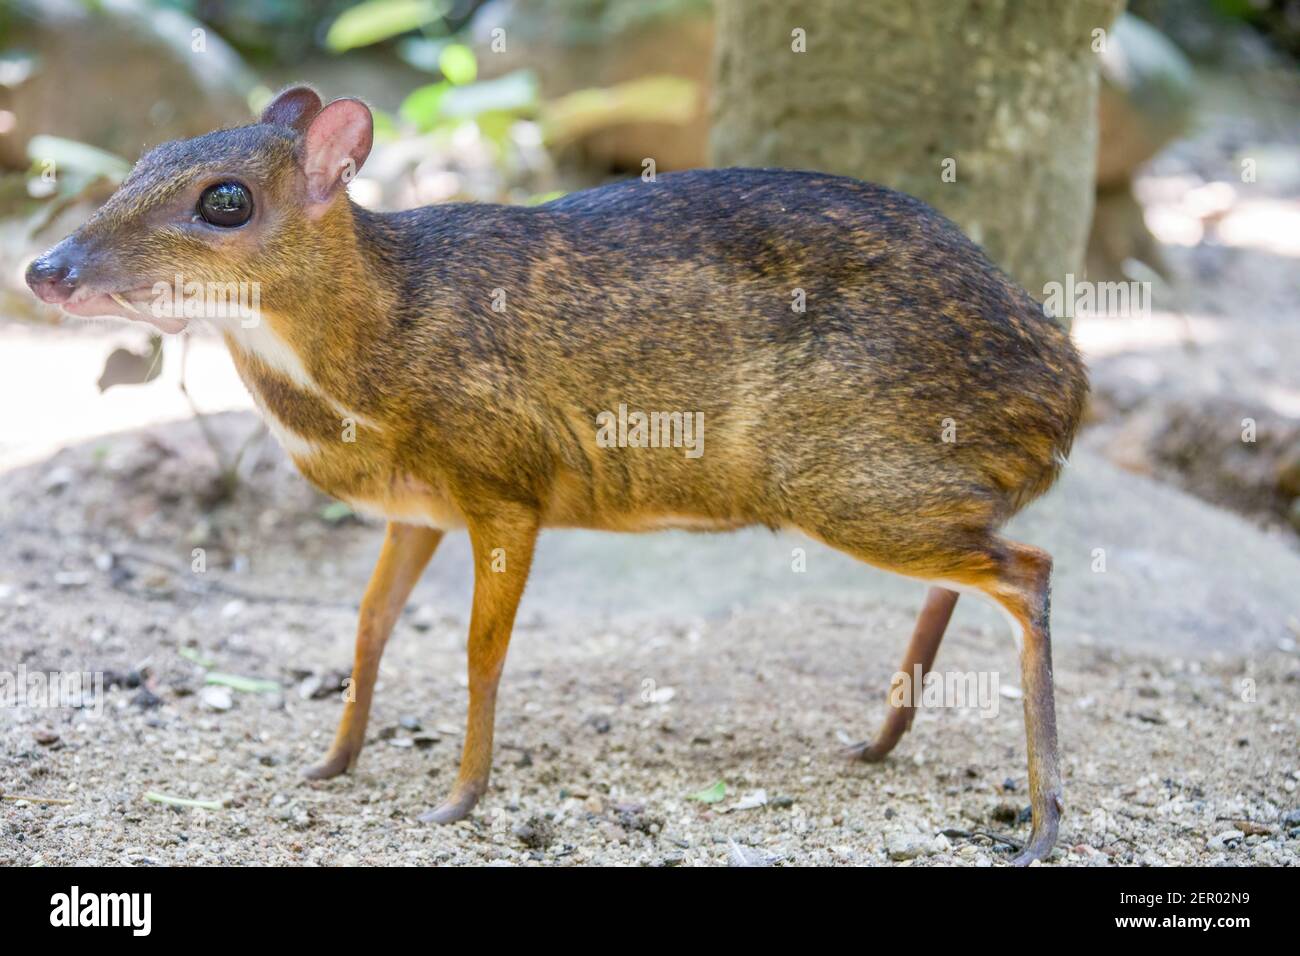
(852, 353)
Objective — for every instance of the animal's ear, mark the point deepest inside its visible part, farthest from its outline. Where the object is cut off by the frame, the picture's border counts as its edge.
(335, 145)
(295, 108)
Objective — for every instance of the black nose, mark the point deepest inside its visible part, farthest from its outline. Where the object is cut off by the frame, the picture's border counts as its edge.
(52, 277)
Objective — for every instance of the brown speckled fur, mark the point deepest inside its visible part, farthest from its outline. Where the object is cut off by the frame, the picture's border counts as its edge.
(673, 295)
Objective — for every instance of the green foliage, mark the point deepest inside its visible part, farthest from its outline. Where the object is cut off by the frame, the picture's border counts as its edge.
(422, 107)
(457, 63)
(513, 93)
(377, 20)
(713, 794)
(336, 512)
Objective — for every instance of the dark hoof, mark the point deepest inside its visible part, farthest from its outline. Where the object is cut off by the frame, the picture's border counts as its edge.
(331, 766)
(1042, 834)
(866, 752)
(455, 808)
(1031, 853)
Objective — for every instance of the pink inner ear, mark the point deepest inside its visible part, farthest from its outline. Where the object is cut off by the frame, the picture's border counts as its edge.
(337, 143)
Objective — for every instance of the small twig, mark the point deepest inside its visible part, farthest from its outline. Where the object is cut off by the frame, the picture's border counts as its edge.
(248, 443)
(170, 801)
(31, 799)
(205, 589)
(954, 833)
(208, 588)
(201, 418)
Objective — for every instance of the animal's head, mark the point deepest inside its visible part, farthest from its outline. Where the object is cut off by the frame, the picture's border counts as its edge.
(255, 204)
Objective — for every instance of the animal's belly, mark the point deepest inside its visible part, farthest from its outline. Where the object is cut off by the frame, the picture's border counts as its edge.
(373, 484)
(407, 502)
(573, 503)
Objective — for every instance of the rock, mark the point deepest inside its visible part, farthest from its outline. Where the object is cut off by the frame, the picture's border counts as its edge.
(908, 845)
(57, 479)
(745, 856)
(1006, 812)
(1145, 102)
(321, 686)
(1224, 840)
(1147, 93)
(612, 833)
(217, 698)
(536, 833)
(145, 699)
(750, 801)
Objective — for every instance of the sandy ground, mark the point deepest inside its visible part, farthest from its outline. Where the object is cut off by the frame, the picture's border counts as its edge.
(647, 669)
(609, 720)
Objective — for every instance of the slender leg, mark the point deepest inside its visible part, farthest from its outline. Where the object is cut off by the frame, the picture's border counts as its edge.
(1024, 589)
(503, 554)
(927, 634)
(1018, 577)
(406, 551)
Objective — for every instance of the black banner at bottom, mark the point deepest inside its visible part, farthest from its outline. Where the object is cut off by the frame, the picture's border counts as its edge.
(266, 905)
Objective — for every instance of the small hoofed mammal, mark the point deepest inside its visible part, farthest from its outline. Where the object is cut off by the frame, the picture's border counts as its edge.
(861, 371)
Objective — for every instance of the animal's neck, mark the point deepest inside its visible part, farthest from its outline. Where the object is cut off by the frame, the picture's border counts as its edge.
(309, 357)
(319, 329)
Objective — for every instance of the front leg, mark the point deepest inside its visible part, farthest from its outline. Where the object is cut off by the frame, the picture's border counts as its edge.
(503, 553)
(406, 551)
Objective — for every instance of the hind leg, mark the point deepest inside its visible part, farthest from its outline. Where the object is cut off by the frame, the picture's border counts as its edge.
(1023, 587)
(921, 651)
(1018, 578)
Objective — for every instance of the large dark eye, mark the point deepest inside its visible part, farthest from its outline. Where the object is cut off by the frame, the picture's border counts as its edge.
(226, 204)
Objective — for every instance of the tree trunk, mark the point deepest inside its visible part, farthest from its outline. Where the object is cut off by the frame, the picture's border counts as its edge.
(987, 109)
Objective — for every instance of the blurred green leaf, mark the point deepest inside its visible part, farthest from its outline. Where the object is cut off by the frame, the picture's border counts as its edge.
(385, 125)
(423, 106)
(458, 64)
(514, 92)
(495, 125)
(376, 20)
(168, 800)
(538, 199)
(247, 685)
(649, 99)
(190, 654)
(713, 794)
(336, 511)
